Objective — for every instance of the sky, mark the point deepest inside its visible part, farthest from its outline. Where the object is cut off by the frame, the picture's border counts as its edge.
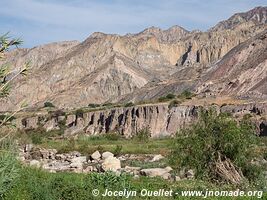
(43, 21)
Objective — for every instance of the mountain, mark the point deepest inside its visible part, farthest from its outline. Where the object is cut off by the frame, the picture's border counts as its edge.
(134, 67)
(242, 71)
(256, 16)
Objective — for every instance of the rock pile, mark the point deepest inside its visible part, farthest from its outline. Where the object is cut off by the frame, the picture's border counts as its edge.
(50, 160)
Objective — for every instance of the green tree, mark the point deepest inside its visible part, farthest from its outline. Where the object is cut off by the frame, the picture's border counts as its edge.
(9, 168)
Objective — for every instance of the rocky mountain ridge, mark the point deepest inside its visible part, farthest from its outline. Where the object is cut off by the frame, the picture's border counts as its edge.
(108, 67)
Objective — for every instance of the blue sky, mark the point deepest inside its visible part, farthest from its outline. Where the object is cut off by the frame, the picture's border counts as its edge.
(43, 21)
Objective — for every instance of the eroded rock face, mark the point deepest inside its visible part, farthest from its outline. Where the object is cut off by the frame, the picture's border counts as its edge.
(159, 119)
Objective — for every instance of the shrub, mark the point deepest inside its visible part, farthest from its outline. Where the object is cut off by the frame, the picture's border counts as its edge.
(129, 104)
(117, 150)
(170, 96)
(48, 105)
(93, 105)
(174, 103)
(7, 118)
(166, 98)
(186, 94)
(107, 104)
(143, 134)
(79, 113)
(211, 138)
(112, 136)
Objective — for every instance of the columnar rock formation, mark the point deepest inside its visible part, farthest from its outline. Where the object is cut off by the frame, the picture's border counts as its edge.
(160, 120)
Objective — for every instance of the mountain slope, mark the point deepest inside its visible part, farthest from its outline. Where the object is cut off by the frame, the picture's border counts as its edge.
(134, 67)
(242, 71)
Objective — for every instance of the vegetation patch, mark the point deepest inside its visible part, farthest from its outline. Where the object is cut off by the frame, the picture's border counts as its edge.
(218, 148)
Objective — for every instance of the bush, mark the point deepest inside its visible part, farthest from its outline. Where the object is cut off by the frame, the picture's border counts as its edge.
(143, 134)
(112, 136)
(166, 98)
(79, 113)
(186, 94)
(212, 137)
(7, 118)
(48, 105)
(174, 103)
(93, 105)
(118, 150)
(129, 104)
(170, 96)
(107, 104)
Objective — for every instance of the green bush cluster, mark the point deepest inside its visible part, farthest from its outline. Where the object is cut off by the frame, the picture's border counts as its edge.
(200, 145)
(186, 94)
(48, 105)
(142, 134)
(174, 103)
(166, 98)
(93, 105)
(129, 104)
(79, 113)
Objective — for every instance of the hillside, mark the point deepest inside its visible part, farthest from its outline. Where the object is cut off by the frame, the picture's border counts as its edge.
(133, 67)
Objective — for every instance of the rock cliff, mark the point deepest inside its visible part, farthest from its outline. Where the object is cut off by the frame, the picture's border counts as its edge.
(161, 120)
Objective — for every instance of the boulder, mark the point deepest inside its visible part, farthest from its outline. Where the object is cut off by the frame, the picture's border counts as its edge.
(157, 158)
(35, 163)
(81, 159)
(111, 164)
(160, 172)
(57, 166)
(106, 155)
(28, 147)
(96, 156)
(88, 169)
(190, 174)
(75, 154)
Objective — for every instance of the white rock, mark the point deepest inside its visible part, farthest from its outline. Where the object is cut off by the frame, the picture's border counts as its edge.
(153, 172)
(168, 169)
(88, 169)
(35, 163)
(107, 154)
(157, 158)
(81, 159)
(111, 164)
(190, 174)
(177, 178)
(96, 155)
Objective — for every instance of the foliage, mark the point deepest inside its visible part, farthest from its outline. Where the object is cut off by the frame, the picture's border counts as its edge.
(186, 94)
(166, 98)
(79, 113)
(117, 151)
(129, 104)
(9, 166)
(48, 105)
(107, 104)
(93, 105)
(143, 134)
(112, 136)
(174, 103)
(213, 135)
